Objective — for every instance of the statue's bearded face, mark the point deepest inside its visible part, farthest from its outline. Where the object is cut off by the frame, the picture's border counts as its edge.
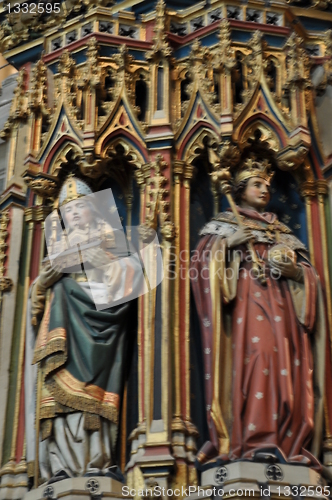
(257, 193)
(77, 214)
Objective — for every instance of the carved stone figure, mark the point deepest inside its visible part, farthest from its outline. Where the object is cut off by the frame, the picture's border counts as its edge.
(263, 331)
(81, 349)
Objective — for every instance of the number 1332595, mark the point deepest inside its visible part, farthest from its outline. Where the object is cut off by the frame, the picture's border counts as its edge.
(304, 491)
(32, 8)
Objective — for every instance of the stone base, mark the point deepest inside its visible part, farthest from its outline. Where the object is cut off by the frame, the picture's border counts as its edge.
(77, 488)
(248, 479)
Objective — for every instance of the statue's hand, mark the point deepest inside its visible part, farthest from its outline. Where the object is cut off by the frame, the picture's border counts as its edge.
(241, 236)
(288, 269)
(49, 275)
(97, 257)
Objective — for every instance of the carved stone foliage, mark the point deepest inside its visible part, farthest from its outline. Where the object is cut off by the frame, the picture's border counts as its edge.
(157, 204)
(297, 62)
(38, 93)
(19, 108)
(22, 26)
(291, 158)
(117, 77)
(160, 46)
(312, 4)
(5, 282)
(327, 78)
(19, 27)
(92, 73)
(68, 86)
(41, 184)
(255, 64)
(200, 72)
(124, 75)
(224, 57)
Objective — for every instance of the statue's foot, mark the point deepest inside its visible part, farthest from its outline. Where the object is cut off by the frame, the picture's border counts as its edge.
(114, 472)
(59, 476)
(93, 472)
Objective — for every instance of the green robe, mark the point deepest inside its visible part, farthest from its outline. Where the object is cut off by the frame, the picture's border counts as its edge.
(83, 355)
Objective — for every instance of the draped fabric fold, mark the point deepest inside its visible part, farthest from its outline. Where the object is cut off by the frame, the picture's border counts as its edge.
(82, 352)
(263, 346)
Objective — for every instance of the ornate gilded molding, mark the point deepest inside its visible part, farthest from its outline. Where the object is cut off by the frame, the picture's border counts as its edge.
(224, 54)
(327, 78)
(255, 63)
(157, 205)
(322, 187)
(41, 185)
(200, 70)
(298, 63)
(308, 189)
(291, 158)
(37, 214)
(5, 282)
(19, 108)
(92, 74)
(160, 46)
(38, 94)
(125, 76)
(68, 86)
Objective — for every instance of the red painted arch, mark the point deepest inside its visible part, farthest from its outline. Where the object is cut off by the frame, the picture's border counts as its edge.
(202, 125)
(56, 148)
(126, 134)
(262, 117)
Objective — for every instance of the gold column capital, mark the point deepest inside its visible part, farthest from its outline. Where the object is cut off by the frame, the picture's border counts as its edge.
(322, 187)
(178, 167)
(183, 169)
(308, 189)
(36, 214)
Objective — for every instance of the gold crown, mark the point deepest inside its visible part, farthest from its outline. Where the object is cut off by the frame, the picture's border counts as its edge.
(254, 168)
(72, 189)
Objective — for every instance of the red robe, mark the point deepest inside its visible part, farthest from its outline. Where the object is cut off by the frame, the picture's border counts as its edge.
(269, 383)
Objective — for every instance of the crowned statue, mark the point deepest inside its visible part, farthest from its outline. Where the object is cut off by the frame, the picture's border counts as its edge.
(262, 324)
(82, 343)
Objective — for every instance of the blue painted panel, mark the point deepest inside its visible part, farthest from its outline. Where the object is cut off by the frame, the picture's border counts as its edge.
(138, 55)
(275, 41)
(315, 24)
(182, 52)
(26, 56)
(159, 143)
(107, 51)
(241, 36)
(287, 204)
